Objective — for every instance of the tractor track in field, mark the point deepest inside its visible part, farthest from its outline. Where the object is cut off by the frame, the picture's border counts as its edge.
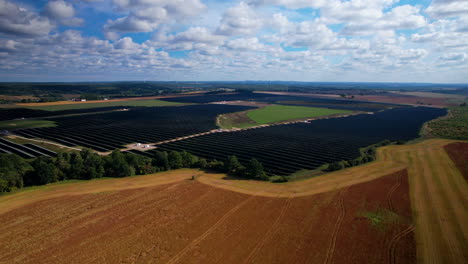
(271, 230)
(176, 257)
(392, 190)
(394, 243)
(336, 227)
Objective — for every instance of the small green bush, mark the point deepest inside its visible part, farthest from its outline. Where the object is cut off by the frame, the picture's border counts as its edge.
(278, 179)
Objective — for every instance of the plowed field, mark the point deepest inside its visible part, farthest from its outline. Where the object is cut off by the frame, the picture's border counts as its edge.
(412, 210)
(458, 152)
(190, 222)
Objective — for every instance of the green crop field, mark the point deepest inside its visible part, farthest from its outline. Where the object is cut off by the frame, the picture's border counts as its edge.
(148, 103)
(276, 113)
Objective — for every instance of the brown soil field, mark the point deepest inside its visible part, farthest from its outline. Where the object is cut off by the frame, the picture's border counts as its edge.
(458, 152)
(190, 222)
(411, 100)
(413, 209)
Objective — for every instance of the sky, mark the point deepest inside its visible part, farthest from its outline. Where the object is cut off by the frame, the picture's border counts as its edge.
(221, 40)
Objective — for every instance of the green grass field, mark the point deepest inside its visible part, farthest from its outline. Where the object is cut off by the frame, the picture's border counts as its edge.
(15, 124)
(276, 113)
(148, 103)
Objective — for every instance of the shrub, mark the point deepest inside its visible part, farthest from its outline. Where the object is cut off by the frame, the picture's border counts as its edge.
(278, 179)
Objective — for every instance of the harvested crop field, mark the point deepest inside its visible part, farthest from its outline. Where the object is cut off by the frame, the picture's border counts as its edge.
(458, 152)
(412, 210)
(190, 222)
(412, 100)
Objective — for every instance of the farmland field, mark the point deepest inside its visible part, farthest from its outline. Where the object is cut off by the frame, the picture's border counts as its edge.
(377, 213)
(185, 222)
(135, 103)
(275, 113)
(458, 152)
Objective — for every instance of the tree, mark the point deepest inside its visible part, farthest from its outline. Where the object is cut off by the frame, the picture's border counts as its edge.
(188, 160)
(232, 165)
(12, 172)
(175, 160)
(335, 166)
(62, 162)
(44, 171)
(117, 166)
(141, 164)
(202, 163)
(92, 165)
(161, 160)
(76, 166)
(216, 165)
(255, 170)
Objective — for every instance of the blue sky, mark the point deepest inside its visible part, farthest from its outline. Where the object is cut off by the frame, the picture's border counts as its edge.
(300, 40)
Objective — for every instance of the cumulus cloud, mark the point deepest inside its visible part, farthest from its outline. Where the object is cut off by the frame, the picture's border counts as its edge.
(453, 57)
(293, 4)
(62, 12)
(8, 45)
(446, 35)
(239, 20)
(248, 44)
(19, 21)
(194, 38)
(270, 39)
(147, 15)
(400, 17)
(448, 8)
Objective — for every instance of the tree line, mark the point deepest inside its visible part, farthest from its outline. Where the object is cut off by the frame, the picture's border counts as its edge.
(368, 154)
(16, 172)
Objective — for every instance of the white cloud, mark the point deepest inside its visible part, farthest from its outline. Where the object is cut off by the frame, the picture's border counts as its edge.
(19, 21)
(247, 44)
(448, 8)
(62, 12)
(239, 20)
(148, 15)
(444, 35)
(198, 35)
(400, 17)
(8, 45)
(453, 57)
(254, 39)
(293, 4)
(59, 9)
